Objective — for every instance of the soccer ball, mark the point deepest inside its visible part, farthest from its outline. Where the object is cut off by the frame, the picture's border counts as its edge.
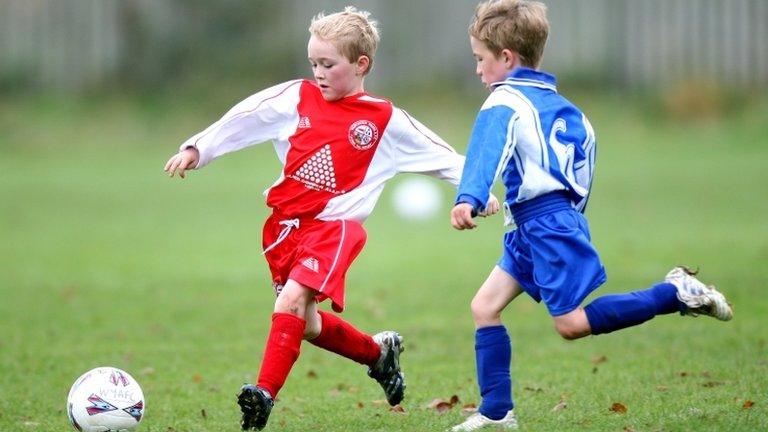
(416, 199)
(105, 399)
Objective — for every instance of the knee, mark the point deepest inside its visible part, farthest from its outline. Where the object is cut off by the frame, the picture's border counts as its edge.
(313, 327)
(569, 331)
(484, 313)
(292, 301)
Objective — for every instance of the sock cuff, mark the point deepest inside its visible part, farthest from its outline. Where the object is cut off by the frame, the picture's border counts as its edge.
(492, 335)
(288, 321)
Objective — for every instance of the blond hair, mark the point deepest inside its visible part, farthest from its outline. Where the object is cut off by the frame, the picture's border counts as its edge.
(517, 25)
(352, 32)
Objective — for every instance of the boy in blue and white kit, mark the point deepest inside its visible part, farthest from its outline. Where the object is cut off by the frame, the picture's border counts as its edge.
(543, 148)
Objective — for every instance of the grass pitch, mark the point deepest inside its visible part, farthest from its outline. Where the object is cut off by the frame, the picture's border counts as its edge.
(107, 262)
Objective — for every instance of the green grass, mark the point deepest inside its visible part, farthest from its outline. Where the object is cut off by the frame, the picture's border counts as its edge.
(105, 261)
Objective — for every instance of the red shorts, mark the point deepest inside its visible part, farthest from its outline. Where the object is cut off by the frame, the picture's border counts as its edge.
(315, 254)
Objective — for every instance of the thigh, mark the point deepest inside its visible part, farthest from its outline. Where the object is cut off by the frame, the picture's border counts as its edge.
(497, 291)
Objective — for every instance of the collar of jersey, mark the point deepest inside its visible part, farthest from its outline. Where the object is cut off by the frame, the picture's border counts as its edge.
(524, 76)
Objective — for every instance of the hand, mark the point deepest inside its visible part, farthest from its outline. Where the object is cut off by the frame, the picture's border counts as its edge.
(461, 217)
(182, 161)
(491, 207)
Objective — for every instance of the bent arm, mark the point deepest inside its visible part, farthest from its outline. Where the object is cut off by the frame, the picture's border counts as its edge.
(490, 148)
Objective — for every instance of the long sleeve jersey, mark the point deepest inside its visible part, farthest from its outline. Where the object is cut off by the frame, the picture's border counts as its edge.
(535, 139)
(336, 155)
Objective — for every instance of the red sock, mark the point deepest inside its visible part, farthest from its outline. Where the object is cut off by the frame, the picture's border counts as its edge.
(342, 338)
(281, 352)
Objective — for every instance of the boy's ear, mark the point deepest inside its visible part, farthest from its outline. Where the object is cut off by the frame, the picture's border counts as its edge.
(509, 57)
(362, 65)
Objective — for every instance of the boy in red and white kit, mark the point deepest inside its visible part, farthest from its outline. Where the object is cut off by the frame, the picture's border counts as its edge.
(339, 145)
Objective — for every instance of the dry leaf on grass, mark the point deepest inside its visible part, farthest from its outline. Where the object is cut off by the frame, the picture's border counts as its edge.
(312, 374)
(442, 405)
(618, 407)
(599, 359)
(747, 404)
(398, 409)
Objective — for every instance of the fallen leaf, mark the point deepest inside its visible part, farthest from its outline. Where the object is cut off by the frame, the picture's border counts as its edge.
(618, 407)
(705, 374)
(442, 405)
(197, 378)
(560, 406)
(747, 404)
(683, 374)
(311, 374)
(662, 388)
(397, 409)
(360, 405)
(599, 359)
(629, 429)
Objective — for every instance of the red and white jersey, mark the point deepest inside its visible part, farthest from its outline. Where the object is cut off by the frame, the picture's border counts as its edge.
(336, 155)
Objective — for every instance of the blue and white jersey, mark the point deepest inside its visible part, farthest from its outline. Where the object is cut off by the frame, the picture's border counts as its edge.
(535, 139)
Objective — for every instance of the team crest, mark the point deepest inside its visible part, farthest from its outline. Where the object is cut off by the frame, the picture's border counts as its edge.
(363, 134)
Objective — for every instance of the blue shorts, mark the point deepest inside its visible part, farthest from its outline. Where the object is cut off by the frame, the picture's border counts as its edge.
(551, 257)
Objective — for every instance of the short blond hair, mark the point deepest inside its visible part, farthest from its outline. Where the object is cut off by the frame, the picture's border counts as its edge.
(352, 32)
(517, 25)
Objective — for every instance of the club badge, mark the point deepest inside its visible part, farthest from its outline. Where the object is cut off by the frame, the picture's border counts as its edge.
(363, 134)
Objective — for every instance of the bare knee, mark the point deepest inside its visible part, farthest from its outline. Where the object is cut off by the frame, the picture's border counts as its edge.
(573, 325)
(483, 313)
(293, 299)
(314, 326)
(568, 331)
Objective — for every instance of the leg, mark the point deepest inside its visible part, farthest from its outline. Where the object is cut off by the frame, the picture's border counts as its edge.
(381, 353)
(493, 353)
(617, 311)
(280, 353)
(493, 296)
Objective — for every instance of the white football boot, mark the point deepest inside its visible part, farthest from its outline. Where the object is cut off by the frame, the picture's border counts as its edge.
(700, 299)
(478, 421)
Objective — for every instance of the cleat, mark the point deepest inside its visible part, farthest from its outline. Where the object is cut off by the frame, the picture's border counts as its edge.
(255, 404)
(699, 299)
(387, 369)
(478, 421)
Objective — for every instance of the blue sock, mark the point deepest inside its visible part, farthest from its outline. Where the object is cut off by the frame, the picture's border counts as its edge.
(618, 311)
(493, 353)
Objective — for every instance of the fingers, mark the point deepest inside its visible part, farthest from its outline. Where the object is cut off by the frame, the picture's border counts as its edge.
(172, 164)
(461, 217)
(180, 162)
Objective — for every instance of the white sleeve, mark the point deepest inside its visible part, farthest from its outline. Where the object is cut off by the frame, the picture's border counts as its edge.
(266, 115)
(419, 150)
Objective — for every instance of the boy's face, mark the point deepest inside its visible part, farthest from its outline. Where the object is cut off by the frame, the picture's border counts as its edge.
(490, 68)
(336, 76)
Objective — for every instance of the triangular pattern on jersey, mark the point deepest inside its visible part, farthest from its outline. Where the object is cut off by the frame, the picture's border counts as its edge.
(318, 170)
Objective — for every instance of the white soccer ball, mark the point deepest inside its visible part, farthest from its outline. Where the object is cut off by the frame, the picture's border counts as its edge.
(416, 198)
(105, 399)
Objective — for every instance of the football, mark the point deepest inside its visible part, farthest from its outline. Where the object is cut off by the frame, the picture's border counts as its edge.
(105, 399)
(416, 198)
